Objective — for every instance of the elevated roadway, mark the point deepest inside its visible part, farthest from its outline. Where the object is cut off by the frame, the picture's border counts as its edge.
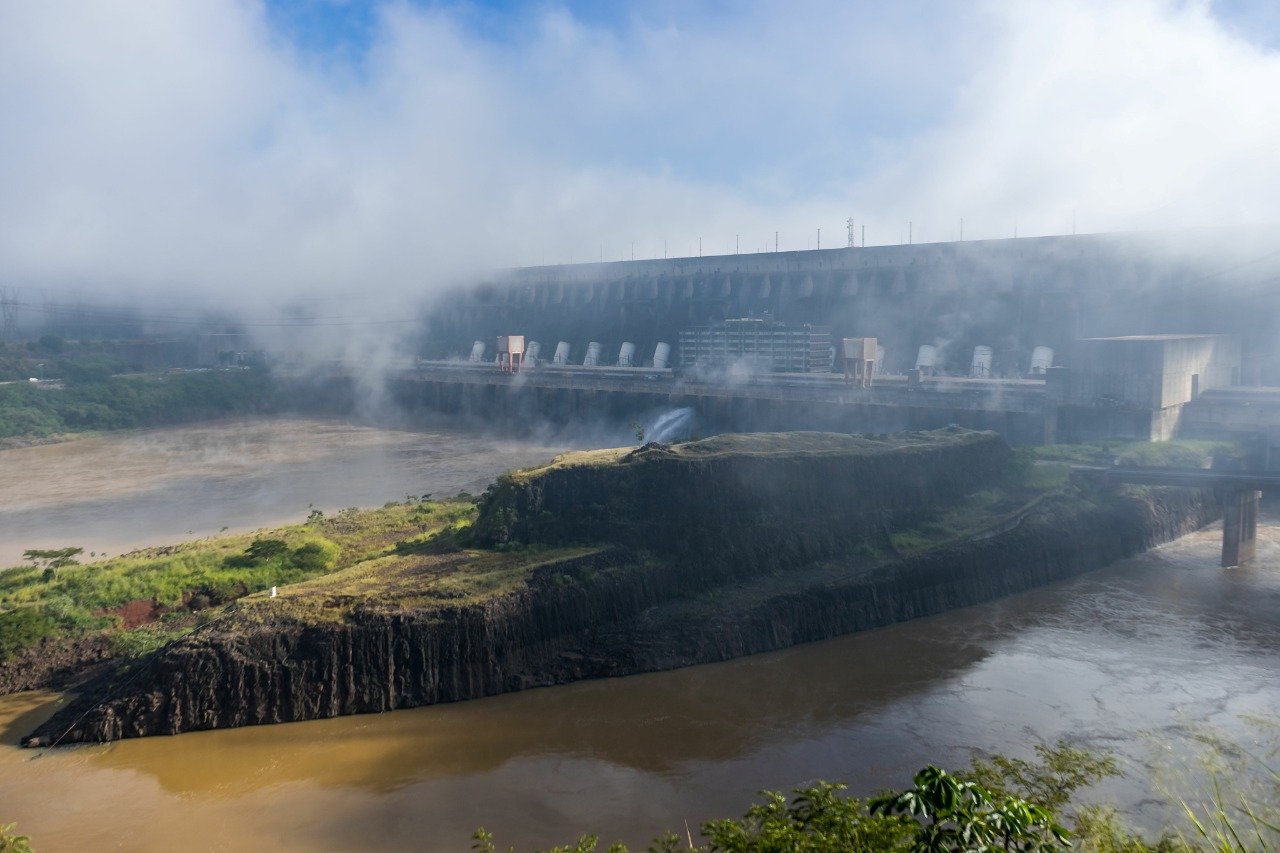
(1239, 492)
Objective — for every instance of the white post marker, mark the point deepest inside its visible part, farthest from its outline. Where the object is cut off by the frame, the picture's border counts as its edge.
(273, 592)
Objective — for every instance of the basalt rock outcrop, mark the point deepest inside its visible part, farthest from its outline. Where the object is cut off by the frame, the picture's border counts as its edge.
(698, 553)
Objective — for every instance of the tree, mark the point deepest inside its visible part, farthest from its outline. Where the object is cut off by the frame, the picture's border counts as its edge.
(266, 549)
(52, 559)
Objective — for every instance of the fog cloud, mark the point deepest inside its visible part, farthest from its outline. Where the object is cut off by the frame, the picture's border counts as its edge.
(194, 147)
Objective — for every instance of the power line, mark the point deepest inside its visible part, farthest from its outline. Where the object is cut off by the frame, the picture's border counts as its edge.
(81, 312)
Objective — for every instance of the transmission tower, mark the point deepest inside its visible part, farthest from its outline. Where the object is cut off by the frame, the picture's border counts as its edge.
(849, 224)
(8, 314)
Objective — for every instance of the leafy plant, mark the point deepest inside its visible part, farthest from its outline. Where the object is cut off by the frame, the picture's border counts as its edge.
(954, 814)
(11, 842)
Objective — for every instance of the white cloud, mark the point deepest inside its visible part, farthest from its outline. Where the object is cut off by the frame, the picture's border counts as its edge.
(1134, 115)
(186, 145)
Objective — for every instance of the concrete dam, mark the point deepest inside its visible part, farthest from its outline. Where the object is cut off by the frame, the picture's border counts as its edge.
(1010, 295)
(1041, 339)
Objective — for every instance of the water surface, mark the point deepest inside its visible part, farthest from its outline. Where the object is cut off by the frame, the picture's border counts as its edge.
(115, 492)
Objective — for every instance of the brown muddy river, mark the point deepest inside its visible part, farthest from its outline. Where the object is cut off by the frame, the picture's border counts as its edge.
(1132, 658)
(115, 492)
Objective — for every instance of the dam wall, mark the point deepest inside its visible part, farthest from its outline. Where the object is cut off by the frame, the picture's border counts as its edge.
(533, 400)
(1012, 295)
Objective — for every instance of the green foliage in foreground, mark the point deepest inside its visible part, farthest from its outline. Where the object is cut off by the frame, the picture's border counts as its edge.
(998, 804)
(185, 582)
(940, 813)
(12, 843)
(134, 401)
(1014, 808)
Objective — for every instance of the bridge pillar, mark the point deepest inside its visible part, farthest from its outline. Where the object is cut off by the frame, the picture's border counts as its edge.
(1240, 526)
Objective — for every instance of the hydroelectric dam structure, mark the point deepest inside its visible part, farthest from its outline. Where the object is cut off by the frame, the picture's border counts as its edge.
(1042, 339)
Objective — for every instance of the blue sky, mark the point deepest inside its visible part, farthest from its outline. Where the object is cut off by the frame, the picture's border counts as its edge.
(739, 136)
(326, 25)
(264, 146)
(932, 47)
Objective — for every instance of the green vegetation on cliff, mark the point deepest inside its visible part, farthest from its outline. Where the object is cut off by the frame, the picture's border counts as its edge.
(1182, 453)
(53, 357)
(807, 494)
(407, 579)
(148, 597)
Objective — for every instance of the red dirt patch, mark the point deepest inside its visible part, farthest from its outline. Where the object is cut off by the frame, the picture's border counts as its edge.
(140, 611)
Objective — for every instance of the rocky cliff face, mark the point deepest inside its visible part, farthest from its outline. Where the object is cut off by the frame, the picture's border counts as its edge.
(743, 503)
(622, 610)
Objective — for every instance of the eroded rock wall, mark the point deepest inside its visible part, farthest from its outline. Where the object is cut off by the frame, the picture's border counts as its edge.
(612, 613)
(747, 509)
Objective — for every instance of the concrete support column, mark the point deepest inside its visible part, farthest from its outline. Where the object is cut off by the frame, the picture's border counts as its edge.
(1240, 527)
(1049, 434)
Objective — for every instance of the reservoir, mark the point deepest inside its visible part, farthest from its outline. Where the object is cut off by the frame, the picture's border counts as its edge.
(1135, 658)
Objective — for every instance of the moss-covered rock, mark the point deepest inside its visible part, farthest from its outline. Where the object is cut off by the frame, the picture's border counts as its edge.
(741, 503)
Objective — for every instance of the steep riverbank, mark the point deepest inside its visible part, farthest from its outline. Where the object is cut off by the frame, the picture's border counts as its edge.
(563, 579)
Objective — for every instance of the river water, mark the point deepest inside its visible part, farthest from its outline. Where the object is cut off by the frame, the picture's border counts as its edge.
(1132, 658)
(114, 492)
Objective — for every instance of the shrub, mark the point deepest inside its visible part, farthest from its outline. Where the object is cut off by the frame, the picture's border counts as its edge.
(22, 627)
(314, 555)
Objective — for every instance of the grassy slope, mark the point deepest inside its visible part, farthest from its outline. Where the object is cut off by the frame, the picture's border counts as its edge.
(405, 581)
(79, 600)
(755, 444)
(1023, 486)
(1183, 453)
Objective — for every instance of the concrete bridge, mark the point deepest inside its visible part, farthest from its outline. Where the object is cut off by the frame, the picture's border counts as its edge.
(1238, 491)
